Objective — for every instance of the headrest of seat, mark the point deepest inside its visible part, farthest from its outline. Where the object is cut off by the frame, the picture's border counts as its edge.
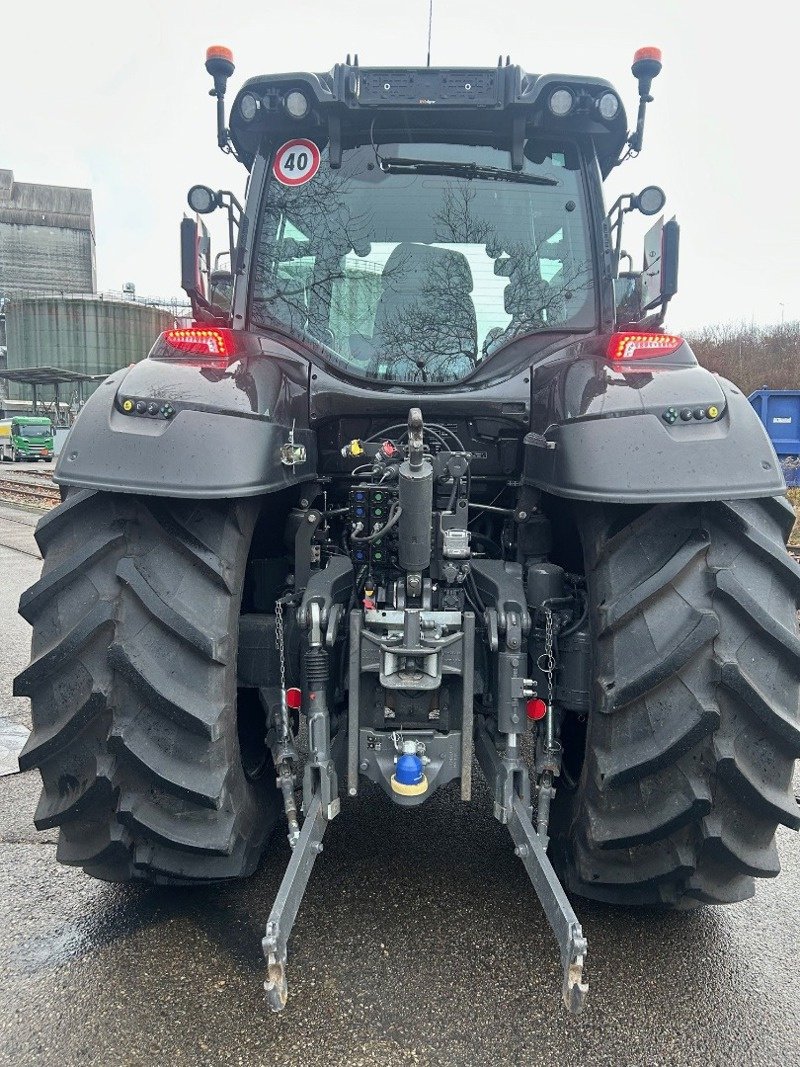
(410, 265)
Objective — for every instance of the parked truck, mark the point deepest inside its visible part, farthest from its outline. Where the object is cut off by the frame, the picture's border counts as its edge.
(26, 437)
(436, 483)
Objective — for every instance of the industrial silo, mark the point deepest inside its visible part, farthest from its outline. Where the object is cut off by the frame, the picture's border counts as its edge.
(88, 334)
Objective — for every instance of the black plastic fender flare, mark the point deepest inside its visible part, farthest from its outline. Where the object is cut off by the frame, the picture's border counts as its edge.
(633, 437)
(224, 435)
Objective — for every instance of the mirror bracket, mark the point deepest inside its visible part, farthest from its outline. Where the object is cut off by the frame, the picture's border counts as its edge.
(624, 204)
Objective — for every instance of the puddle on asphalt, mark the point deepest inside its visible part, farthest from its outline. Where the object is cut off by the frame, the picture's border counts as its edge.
(33, 953)
(12, 741)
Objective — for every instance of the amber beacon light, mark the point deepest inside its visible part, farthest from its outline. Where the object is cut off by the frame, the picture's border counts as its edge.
(219, 64)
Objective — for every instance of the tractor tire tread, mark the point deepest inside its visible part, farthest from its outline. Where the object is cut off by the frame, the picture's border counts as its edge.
(696, 720)
(132, 683)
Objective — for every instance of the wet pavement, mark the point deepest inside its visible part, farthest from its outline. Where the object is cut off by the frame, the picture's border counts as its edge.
(16, 531)
(420, 942)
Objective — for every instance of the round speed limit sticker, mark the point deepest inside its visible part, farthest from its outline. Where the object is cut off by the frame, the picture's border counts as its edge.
(296, 162)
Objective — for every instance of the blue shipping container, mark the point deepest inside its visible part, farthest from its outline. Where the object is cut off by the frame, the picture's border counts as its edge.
(779, 410)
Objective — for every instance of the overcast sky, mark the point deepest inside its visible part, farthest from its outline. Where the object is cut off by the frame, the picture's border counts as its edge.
(114, 97)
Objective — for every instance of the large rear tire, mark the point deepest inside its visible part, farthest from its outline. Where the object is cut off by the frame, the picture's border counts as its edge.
(133, 694)
(695, 722)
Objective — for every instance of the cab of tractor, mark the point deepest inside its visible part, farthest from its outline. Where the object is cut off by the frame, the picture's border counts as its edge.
(411, 225)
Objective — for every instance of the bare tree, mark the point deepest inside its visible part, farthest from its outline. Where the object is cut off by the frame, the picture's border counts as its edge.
(751, 356)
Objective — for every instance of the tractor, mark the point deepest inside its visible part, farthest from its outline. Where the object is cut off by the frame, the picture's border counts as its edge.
(424, 483)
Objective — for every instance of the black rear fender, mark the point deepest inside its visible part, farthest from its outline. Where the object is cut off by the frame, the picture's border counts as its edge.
(646, 433)
(204, 432)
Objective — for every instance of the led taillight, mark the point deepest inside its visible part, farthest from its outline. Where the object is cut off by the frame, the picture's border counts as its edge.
(199, 341)
(622, 346)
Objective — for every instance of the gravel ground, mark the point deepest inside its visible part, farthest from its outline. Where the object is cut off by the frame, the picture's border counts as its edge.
(420, 942)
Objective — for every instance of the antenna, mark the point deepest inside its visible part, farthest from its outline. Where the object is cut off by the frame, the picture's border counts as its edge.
(430, 23)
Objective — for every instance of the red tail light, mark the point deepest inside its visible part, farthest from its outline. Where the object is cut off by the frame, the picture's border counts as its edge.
(622, 346)
(217, 343)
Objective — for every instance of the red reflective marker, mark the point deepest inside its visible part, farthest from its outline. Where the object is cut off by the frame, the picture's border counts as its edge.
(536, 709)
(294, 698)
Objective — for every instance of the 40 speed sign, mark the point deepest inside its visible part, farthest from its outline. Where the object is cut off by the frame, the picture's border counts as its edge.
(296, 162)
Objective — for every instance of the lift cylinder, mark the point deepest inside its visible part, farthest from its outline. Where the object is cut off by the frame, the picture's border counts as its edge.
(416, 521)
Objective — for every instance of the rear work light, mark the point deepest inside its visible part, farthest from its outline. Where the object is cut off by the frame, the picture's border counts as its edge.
(622, 346)
(196, 341)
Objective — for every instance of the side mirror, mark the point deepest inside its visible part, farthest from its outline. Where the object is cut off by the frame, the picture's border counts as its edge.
(660, 275)
(195, 254)
(191, 277)
(670, 245)
(637, 292)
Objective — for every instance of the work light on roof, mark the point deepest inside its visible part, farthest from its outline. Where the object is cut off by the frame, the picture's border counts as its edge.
(248, 106)
(561, 102)
(608, 106)
(296, 104)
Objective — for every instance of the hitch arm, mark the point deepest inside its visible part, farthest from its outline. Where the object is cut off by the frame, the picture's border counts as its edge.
(512, 807)
(557, 908)
(287, 903)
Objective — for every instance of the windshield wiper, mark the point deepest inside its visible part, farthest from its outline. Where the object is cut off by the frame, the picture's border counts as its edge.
(462, 170)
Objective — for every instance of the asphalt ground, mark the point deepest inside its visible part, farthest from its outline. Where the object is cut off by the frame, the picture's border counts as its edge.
(420, 941)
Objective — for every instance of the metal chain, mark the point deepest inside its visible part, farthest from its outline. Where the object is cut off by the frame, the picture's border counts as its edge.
(279, 643)
(547, 661)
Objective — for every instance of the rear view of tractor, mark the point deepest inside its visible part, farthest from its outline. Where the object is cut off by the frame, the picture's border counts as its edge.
(426, 475)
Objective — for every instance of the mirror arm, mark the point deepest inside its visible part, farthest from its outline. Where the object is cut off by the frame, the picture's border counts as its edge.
(235, 216)
(226, 197)
(652, 322)
(614, 217)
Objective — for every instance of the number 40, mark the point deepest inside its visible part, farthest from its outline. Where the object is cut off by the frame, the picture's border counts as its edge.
(300, 164)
